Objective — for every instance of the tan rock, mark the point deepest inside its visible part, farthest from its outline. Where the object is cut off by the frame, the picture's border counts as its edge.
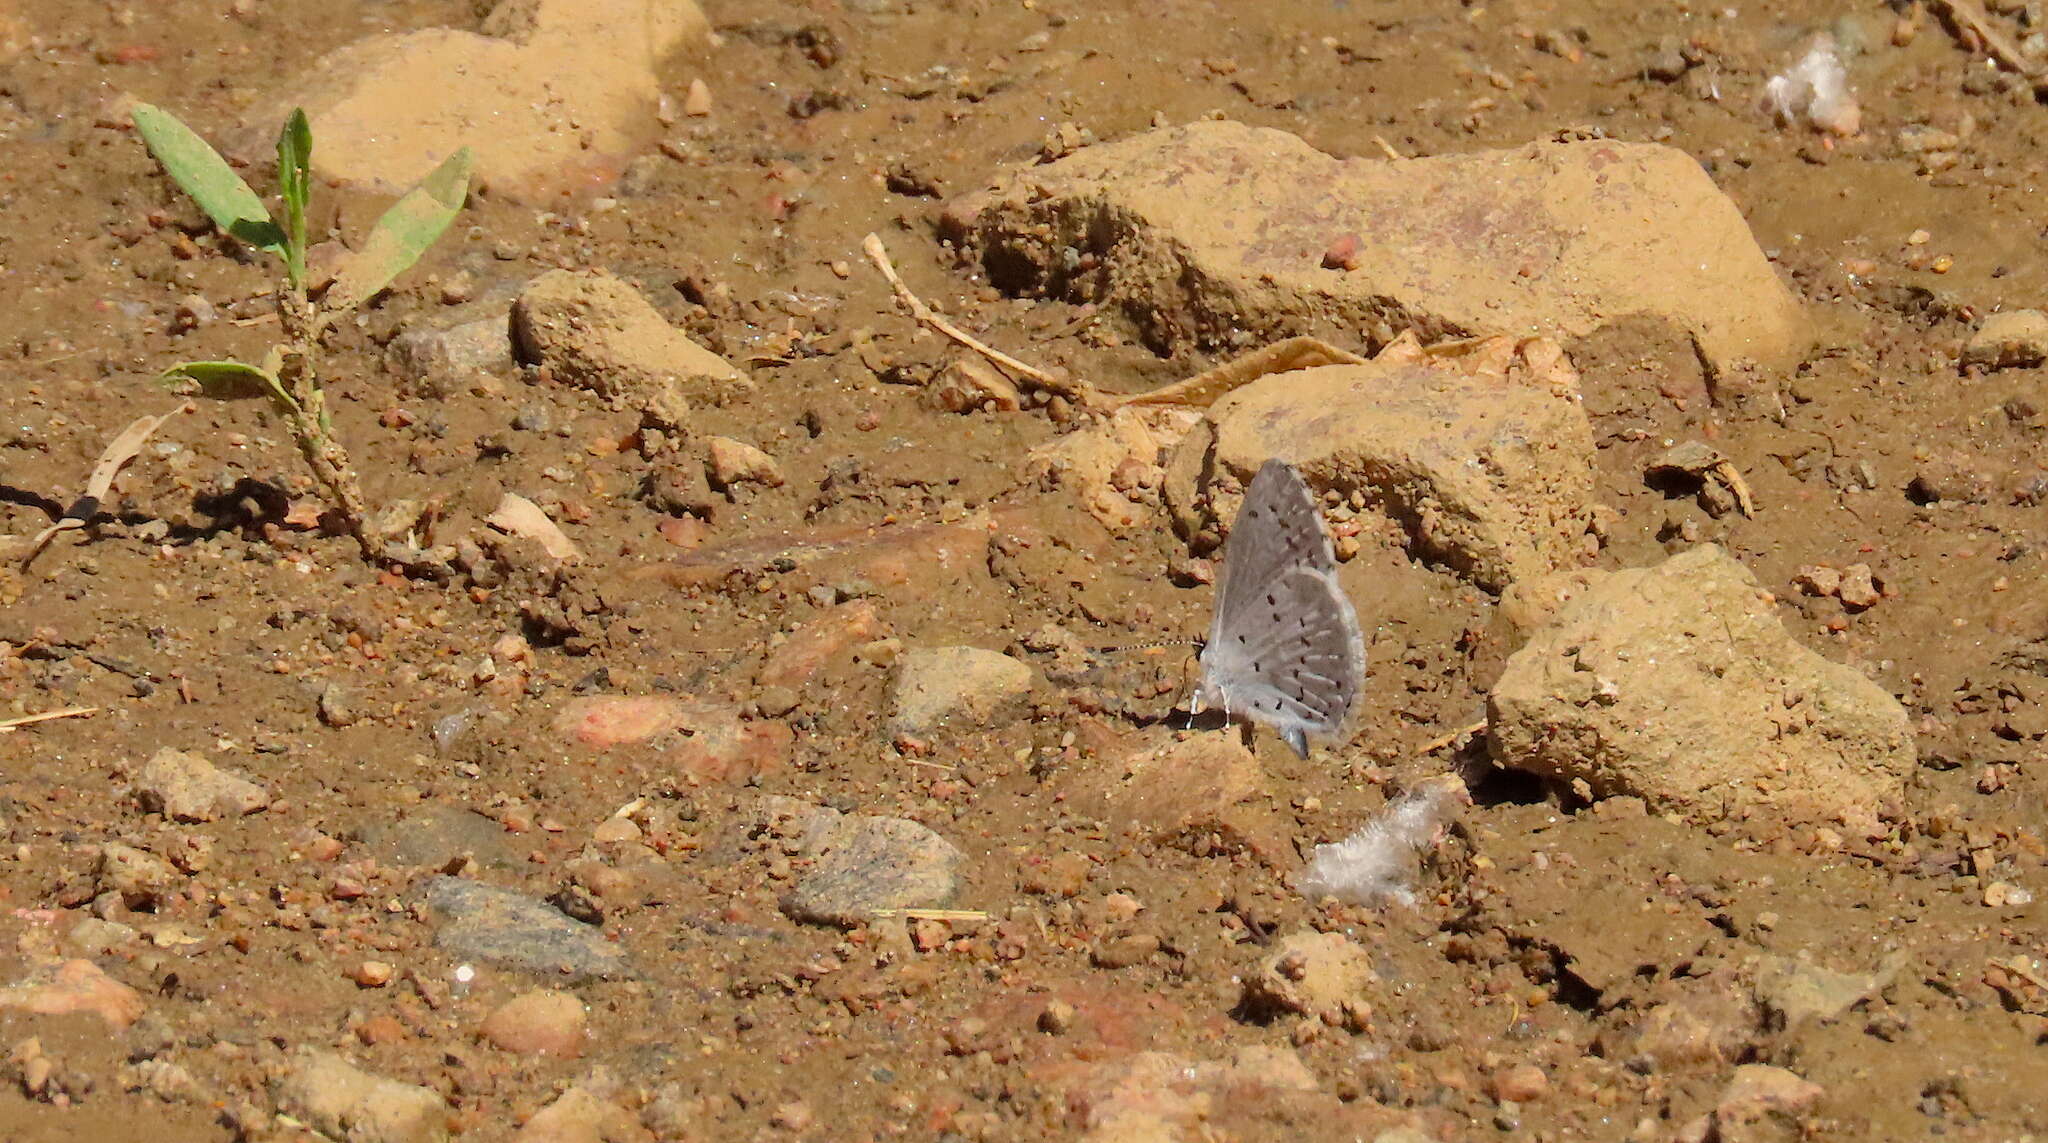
(1794, 991)
(1170, 788)
(186, 787)
(567, 88)
(139, 877)
(56, 988)
(720, 746)
(1115, 468)
(736, 462)
(1324, 976)
(860, 863)
(1707, 1028)
(822, 639)
(1761, 1090)
(538, 1024)
(1216, 230)
(964, 686)
(724, 748)
(341, 1101)
(1679, 684)
(596, 332)
(1526, 607)
(583, 1115)
(1490, 476)
(1520, 1083)
(2009, 339)
(697, 99)
(1156, 1096)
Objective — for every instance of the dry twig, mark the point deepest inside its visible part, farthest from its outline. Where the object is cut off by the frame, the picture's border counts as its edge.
(9, 725)
(1969, 15)
(931, 914)
(1443, 740)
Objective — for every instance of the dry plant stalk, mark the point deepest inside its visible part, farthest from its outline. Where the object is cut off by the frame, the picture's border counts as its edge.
(1080, 392)
(1968, 15)
(119, 451)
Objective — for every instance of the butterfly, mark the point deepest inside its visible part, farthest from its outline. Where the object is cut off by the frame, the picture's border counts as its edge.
(1285, 646)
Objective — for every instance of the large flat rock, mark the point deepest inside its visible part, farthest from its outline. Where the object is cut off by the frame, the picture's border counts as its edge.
(1217, 233)
(554, 95)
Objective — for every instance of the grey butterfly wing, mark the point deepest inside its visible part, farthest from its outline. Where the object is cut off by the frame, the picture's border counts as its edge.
(1285, 645)
(1278, 527)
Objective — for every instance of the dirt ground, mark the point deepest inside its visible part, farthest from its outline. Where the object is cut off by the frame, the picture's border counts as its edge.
(1097, 983)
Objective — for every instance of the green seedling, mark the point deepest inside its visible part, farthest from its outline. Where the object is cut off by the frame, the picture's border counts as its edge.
(289, 377)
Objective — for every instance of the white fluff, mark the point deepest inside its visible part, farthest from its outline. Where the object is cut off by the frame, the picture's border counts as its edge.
(1816, 89)
(1375, 864)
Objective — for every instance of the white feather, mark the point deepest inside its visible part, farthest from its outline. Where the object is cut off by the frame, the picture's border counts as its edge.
(1375, 864)
(1817, 90)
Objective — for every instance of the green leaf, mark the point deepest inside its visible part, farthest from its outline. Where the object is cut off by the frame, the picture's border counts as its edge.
(403, 234)
(294, 182)
(223, 381)
(199, 170)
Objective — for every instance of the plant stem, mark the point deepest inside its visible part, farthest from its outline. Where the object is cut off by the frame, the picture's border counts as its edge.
(297, 371)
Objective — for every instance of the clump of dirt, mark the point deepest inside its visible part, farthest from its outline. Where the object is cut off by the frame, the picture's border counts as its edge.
(402, 803)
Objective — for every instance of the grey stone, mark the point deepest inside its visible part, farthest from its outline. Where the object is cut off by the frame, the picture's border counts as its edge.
(438, 834)
(1794, 991)
(862, 865)
(481, 346)
(513, 930)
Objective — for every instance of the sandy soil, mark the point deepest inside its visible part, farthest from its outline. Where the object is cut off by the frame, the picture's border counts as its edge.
(1567, 971)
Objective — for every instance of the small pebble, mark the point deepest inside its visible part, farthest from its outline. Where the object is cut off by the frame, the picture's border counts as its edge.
(615, 829)
(1056, 1017)
(697, 101)
(372, 974)
(1344, 252)
(1521, 1083)
(538, 1024)
(774, 702)
(381, 1030)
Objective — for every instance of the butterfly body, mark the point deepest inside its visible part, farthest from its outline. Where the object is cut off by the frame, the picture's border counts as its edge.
(1284, 647)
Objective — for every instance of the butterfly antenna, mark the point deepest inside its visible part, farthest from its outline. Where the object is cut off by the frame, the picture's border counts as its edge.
(1154, 645)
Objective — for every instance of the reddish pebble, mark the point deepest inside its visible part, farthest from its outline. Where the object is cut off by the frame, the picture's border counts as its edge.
(869, 421)
(682, 531)
(928, 934)
(381, 1030)
(1344, 252)
(1521, 1083)
(538, 1023)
